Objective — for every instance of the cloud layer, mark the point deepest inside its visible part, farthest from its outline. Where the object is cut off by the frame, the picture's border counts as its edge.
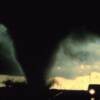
(77, 55)
(8, 61)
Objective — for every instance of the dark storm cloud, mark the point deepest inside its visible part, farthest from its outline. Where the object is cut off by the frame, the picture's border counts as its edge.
(77, 55)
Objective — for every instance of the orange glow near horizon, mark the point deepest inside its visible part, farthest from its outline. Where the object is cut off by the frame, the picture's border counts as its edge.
(79, 83)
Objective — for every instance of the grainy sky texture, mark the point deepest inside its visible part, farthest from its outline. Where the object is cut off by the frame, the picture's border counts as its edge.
(8, 61)
(77, 55)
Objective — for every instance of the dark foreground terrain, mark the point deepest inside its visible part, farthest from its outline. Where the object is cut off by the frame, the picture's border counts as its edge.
(10, 93)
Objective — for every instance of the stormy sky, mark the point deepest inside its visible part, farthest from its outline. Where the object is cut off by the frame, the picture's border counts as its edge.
(8, 62)
(77, 55)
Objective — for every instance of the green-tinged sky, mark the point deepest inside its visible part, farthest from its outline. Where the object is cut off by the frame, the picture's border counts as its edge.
(77, 55)
(8, 61)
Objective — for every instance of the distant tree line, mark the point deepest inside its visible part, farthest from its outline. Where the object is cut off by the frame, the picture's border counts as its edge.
(10, 83)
